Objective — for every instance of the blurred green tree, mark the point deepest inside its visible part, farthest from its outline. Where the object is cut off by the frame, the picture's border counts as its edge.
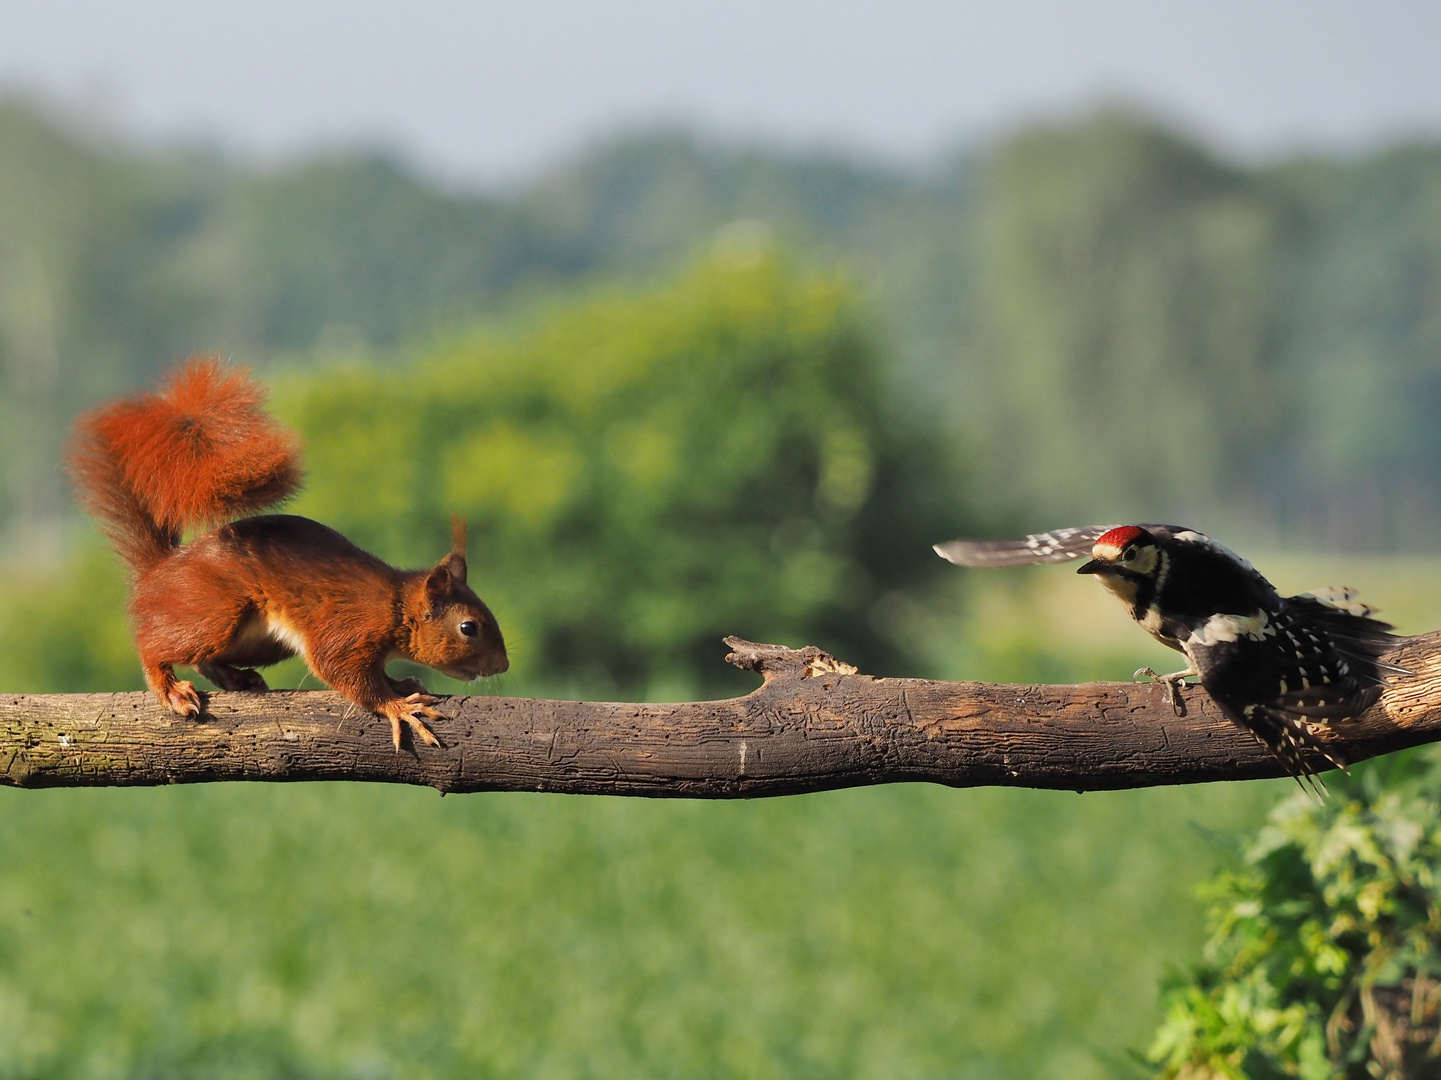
(644, 473)
(63, 630)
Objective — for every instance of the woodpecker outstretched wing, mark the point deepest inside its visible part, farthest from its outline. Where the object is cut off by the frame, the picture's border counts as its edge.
(1058, 545)
(1353, 632)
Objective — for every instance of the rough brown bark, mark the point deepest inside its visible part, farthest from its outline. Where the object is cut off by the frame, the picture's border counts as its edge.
(815, 724)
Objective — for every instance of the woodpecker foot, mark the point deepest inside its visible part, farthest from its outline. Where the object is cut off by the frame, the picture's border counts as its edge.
(1171, 685)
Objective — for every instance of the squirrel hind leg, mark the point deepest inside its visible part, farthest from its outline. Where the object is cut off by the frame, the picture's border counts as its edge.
(230, 677)
(177, 695)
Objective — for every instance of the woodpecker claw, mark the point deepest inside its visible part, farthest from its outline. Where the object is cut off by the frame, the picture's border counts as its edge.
(1170, 685)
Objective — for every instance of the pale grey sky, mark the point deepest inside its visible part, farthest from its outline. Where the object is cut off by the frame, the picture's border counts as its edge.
(487, 90)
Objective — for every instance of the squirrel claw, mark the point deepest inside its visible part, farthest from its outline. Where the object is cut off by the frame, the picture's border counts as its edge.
(183, 699)
(414, 710)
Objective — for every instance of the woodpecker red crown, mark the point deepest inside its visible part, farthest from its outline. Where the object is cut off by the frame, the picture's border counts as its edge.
(1119, 537)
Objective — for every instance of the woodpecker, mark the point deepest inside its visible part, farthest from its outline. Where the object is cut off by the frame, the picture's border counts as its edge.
(1272, 663)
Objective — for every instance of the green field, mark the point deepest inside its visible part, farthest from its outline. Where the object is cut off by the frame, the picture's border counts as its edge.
(363, 931)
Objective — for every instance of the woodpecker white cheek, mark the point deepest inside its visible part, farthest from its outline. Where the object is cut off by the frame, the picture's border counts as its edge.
(1144, 561)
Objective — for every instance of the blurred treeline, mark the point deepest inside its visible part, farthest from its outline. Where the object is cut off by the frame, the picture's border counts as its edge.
(1101, 318)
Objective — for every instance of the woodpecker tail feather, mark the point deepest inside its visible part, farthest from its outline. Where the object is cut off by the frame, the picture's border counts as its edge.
(199, 451)
(1290, 738)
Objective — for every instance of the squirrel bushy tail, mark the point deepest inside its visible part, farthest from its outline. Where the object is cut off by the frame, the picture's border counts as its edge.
(198, 452)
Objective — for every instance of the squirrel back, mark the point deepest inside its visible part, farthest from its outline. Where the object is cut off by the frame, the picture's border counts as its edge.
(198, 452)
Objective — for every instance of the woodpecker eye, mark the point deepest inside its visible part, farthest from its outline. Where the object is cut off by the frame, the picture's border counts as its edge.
(469, 628)
(1129, 555)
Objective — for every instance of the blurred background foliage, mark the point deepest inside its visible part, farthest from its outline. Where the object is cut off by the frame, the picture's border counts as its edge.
(682, 390)
(640, 470)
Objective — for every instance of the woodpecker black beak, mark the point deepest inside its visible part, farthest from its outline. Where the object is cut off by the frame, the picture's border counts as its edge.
(1095, 566)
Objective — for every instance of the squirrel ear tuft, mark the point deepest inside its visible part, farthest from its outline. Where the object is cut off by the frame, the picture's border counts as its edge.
(457, 535)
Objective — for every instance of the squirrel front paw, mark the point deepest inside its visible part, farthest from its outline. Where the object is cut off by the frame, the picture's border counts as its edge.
(414, 710)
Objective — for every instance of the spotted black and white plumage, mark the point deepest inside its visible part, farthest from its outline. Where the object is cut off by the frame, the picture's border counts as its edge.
(1273, 664)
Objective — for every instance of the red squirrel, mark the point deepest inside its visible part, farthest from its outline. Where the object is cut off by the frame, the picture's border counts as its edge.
(198, 454)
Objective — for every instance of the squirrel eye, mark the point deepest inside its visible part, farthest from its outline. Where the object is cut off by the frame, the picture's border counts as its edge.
(469, 628)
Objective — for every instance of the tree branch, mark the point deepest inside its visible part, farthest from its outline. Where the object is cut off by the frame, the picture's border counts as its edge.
(813, 725)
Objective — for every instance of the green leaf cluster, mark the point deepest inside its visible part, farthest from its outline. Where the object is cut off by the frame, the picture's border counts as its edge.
(1325, 948)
